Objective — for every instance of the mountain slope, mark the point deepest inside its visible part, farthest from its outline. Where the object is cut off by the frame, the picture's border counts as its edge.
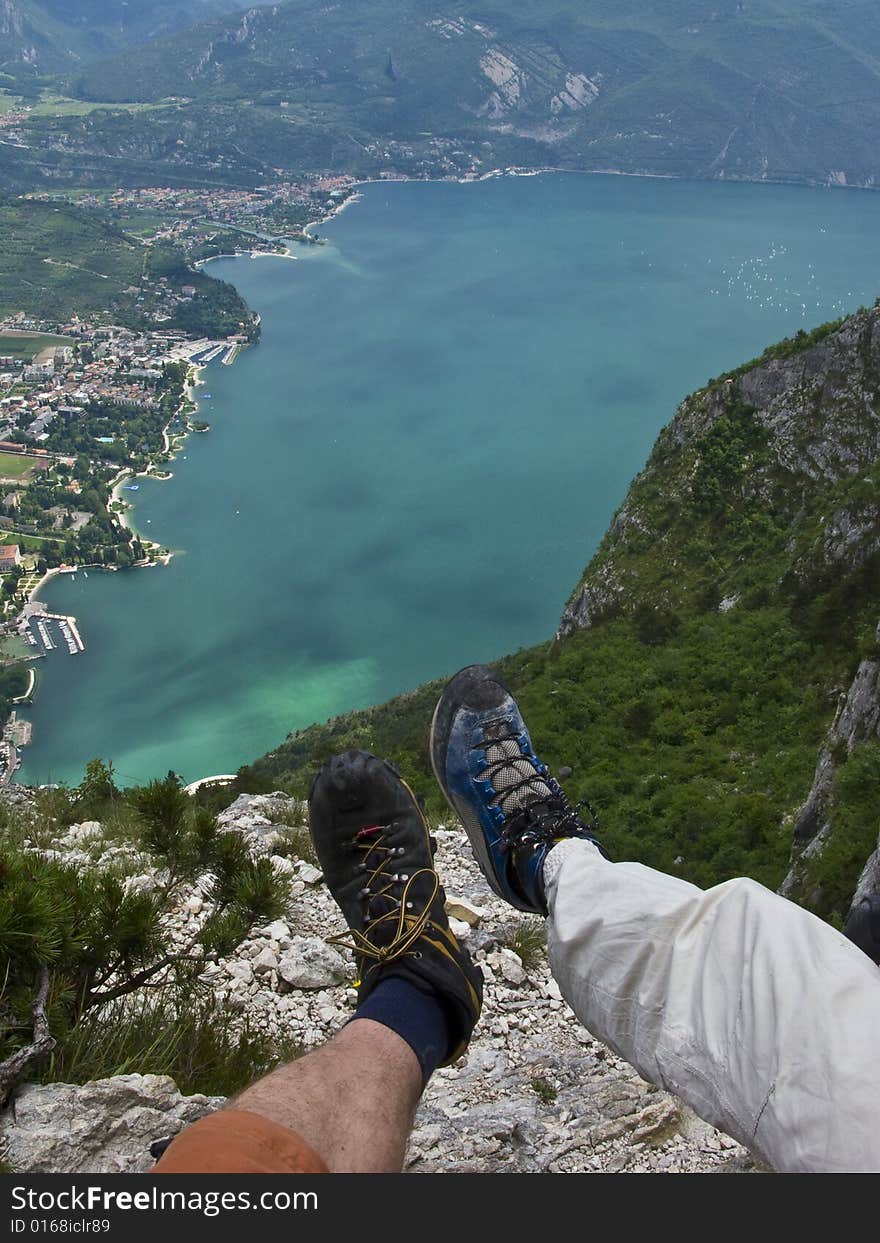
(706, 88)
(57, 261)
(700, 660)
(44, 36)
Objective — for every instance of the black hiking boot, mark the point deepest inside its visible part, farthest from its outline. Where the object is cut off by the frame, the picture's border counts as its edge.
(512, 810)
(375, 851)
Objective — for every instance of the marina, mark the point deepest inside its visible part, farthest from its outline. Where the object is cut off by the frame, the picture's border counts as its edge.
(38, 613)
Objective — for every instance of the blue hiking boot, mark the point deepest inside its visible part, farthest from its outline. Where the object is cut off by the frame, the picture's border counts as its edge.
(512, 809)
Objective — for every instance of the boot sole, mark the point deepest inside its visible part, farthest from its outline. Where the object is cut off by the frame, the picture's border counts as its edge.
(470, 823)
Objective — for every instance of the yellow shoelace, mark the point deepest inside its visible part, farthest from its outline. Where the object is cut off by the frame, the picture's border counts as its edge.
(408, 927)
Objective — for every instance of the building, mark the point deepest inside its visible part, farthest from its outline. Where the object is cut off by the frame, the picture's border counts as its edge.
(10, 556)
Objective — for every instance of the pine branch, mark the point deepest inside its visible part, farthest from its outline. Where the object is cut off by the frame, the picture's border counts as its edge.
(129, 985)
(12, 1070)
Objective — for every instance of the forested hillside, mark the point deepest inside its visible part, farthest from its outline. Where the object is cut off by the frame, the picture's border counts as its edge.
(699, 88)
(57, 261)
(42, 36)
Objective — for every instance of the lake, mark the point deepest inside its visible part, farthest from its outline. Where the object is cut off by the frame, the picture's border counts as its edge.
(411, 470)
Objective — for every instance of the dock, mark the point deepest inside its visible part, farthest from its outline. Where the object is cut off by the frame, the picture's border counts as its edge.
(43, 631)
(231, 354)
(209, 358)
(16, 734)
(25, 698)
(69, 630)
(37, 612)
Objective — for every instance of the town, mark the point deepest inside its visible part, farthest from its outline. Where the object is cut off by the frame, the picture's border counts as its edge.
(92, 399)
(83, 408)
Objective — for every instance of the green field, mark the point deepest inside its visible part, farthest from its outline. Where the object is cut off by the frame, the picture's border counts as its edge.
(28, 345)
(143, 224)
(26, 543)
(14, 467)
(52, 105)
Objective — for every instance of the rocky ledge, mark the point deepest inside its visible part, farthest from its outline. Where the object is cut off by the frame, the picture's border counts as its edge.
(535, 1092)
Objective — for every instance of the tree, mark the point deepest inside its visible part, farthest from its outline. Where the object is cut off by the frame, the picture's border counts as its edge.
(74, 939)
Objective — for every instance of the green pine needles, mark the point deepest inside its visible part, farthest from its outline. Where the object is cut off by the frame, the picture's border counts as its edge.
(90, 953)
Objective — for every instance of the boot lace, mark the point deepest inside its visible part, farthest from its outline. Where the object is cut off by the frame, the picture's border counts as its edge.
(536, 809)
(395, 929)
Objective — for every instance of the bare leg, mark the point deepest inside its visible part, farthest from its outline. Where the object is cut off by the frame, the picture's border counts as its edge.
(353, 1100)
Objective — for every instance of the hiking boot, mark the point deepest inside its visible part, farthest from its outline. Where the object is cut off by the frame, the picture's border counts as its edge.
(512, 809)
(376, 854)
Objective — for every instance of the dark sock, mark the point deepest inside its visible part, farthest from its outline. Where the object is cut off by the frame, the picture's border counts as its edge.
(419, 1018)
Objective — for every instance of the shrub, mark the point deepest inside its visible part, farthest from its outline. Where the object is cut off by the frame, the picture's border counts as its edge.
(75, 941)
(544, 1090)
(198, 1042)
(527, 938)
(296, 843)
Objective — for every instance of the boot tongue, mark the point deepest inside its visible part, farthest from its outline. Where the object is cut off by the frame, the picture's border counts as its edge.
(509, 768)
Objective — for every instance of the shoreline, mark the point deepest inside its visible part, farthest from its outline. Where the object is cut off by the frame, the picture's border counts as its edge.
(188, 397)
(171, 446)
(151, 546)
(122, 515)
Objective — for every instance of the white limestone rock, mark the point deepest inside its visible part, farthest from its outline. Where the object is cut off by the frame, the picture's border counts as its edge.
(240, 969)
(146, 883)
(103, 1127)
(265, 962)
(80, 834)
(310, 963)
(507, 964)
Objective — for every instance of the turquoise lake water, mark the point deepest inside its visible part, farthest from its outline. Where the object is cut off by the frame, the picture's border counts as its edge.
(411, 470)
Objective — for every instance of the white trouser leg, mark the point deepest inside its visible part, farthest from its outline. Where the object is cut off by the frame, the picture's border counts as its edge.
(762, 1018)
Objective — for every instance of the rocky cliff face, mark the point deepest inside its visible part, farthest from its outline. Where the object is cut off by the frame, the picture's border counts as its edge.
(764, 490)
(794, 439)
(856, 722)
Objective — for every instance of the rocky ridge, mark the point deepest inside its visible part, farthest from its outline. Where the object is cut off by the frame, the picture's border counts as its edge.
(856, 722)
(535, 1092)
(809, 419)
